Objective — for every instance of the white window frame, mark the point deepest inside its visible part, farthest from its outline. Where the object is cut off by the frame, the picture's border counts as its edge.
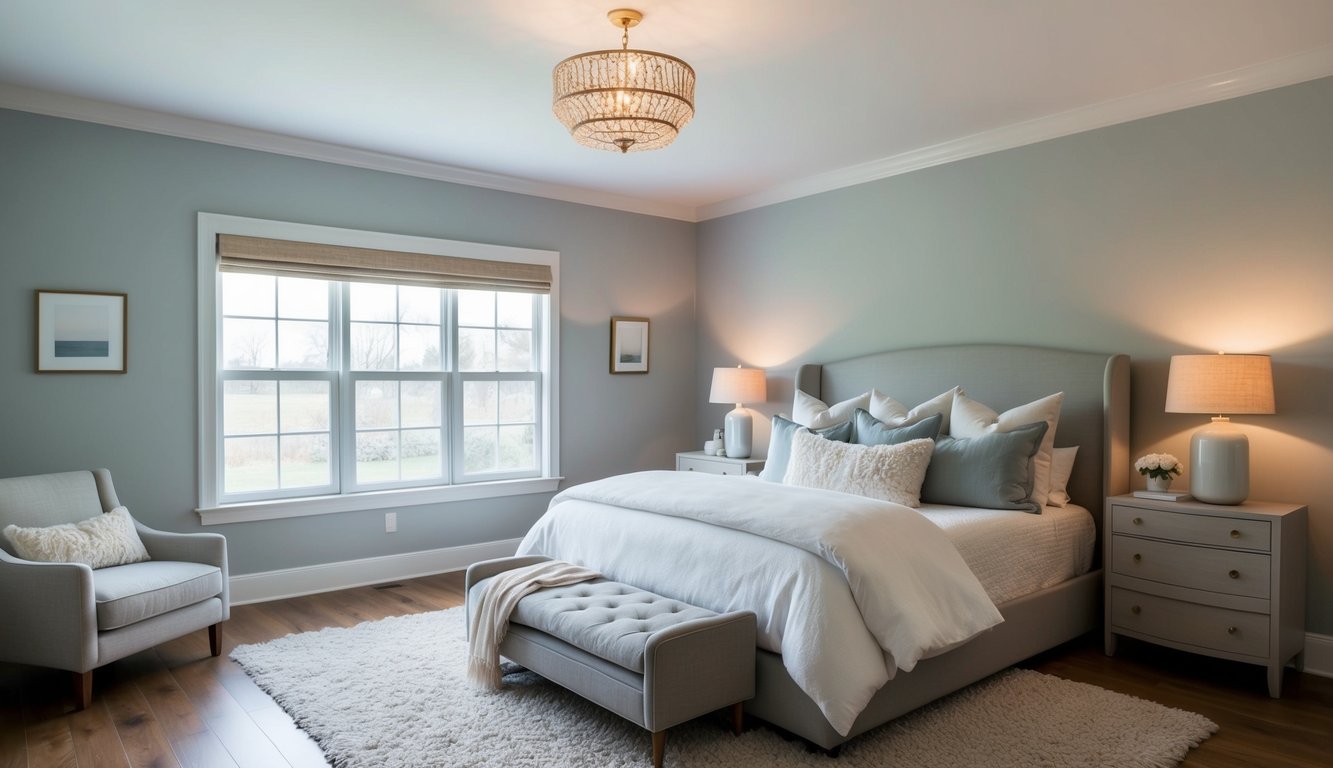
(546, 342)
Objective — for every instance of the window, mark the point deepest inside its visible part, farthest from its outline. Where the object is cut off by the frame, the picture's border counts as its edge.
(325, 386)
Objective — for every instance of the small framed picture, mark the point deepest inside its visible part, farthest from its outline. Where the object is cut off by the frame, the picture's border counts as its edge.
(629, 345)
(81, 332)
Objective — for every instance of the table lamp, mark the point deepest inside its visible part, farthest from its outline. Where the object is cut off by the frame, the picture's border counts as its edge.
(1221, 384)
(738, 385)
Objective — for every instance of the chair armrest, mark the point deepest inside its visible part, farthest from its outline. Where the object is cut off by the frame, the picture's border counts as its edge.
(207, 548)
(48, 614)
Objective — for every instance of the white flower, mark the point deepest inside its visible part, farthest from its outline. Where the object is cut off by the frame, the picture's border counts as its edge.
(1158, 465)
(1167, 461)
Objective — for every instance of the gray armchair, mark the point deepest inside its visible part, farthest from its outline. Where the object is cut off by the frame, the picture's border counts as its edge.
(69, 616)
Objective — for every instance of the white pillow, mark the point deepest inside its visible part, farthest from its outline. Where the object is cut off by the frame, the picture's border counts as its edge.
(809, 411)
(100, 542)
(895, 414)
(888, 472)
(972, 419)
(1062, 466)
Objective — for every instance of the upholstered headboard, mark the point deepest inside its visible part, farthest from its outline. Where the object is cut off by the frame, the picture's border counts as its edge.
(1094, 416)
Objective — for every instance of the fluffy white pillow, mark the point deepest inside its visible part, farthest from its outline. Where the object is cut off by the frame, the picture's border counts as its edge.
(810, 411)
(100, 542)
(969, 418)
(889, 472)
(895, 414)
(1062, 466)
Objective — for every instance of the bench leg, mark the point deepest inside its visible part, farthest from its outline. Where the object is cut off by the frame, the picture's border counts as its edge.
(659, 748)
(737, 718)
(83, 690)
(215, 639)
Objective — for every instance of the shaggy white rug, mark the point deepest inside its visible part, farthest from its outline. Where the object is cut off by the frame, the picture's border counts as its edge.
(393, 693)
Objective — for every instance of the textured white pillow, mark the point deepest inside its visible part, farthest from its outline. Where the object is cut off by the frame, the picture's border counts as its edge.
(1062, 466)
(889, 472)
(972, 419)
(895, 414)
(99, 542)
(810, 411)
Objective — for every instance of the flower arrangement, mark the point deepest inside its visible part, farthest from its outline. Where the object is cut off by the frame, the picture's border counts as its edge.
(1158, 465)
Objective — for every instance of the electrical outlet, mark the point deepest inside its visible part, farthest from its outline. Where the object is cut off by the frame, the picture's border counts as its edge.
(390, 522)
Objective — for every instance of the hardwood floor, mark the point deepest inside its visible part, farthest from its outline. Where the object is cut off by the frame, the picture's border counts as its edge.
(177, 706)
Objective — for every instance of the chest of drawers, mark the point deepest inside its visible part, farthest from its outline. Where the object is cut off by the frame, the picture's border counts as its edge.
(1227, 581)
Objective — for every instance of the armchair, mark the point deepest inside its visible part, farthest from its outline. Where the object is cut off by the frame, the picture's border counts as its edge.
(69, 616)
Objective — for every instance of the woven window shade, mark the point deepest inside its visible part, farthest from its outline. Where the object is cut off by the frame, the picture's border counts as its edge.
(289, 258)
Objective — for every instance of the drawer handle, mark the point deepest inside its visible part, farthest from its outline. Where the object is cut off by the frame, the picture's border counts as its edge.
(689, 469)
(1137, 557)
(1138, 521)
(1231, 630)
(1135, 610)
(1234, 574)
(1235, 534)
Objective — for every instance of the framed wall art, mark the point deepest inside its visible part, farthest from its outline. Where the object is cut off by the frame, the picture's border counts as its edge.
(81, 332)
(629, 345)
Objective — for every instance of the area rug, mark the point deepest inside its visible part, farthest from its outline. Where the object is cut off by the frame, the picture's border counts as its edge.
(393, 693)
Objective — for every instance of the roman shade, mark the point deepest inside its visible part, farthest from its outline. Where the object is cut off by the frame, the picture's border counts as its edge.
(290, 258)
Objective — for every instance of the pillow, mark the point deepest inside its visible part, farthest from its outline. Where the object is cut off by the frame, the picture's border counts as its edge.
(779, 445)
(993, 470)
(895, 414)
(809, 411)
(99, 542)
(868, 430)
(888, 472)
(1062, 466)
(968, 418)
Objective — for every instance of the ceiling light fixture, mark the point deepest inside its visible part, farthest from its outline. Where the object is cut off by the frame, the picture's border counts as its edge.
(625, 99)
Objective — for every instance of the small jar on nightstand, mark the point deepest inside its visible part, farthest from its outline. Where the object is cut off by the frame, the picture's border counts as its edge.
(1226, 581)
(698, 461)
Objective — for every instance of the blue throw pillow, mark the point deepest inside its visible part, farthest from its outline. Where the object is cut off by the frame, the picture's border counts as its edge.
(993, 471)
(779, 445)
(868, 430)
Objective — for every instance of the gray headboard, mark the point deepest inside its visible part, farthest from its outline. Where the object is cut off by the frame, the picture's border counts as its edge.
(1094, 416)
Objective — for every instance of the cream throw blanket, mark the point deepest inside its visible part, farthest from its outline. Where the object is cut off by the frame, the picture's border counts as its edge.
(489, 621)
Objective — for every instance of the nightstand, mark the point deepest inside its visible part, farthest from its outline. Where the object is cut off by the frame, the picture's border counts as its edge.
(698, 461)
(1219, 580)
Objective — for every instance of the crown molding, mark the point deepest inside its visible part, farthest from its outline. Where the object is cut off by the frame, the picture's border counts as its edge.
(1289, 70)
(135, 118)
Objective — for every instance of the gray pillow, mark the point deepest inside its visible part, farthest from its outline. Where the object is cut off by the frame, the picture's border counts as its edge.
(993, 471)
(868, 430)
(779, 445)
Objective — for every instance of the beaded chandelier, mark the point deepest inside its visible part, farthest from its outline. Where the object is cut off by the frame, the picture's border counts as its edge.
(627, 99)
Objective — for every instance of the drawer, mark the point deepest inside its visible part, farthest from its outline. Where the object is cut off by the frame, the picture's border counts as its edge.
(1191, 528)
(1216, 570)
(1199, 625)
(687, 464)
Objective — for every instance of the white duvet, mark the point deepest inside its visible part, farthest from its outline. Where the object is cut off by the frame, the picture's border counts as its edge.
(847, 589)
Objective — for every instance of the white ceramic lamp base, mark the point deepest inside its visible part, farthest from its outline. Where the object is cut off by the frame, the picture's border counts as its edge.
(737, 430)
(1220, 463)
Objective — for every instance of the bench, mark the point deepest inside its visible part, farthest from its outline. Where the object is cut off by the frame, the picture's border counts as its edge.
(654, 661)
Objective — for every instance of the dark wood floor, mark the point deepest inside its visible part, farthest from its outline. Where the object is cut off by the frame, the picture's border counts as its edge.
(175, 705)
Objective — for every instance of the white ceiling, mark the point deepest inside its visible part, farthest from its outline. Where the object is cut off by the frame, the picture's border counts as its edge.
(793, 96)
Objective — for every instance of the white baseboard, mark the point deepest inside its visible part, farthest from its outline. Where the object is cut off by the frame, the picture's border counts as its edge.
(326, 577)
(1319, 654)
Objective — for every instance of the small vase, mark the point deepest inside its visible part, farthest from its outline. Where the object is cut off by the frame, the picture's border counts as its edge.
(1159, 484)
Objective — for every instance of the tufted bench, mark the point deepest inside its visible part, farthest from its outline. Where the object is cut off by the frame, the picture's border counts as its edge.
(654, 661)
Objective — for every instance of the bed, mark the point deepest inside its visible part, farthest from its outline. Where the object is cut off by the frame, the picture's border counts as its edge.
(1094, 416)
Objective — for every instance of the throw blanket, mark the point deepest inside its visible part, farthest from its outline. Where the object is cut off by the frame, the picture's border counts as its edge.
(497, 600)
(847, 589)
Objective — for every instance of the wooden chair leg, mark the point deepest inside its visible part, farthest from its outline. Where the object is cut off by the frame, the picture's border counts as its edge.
(738, 718)
(215, 639)
(659, 748)
(83, 689)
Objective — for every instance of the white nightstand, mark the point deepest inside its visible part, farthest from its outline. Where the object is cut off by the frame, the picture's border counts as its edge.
(698, 461)
(1219, 580)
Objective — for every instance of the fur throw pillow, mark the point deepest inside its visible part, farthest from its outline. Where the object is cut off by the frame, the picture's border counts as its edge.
(103, 541)
(888, 472)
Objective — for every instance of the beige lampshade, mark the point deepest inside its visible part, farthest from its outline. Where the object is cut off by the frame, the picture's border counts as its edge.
(1221, 384)
(738, 385)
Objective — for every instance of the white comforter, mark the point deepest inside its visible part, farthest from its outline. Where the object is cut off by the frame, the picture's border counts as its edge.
(847, 589)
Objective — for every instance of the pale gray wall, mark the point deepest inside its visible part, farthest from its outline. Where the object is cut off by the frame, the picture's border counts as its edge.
(89, 207)
(1202, 230)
